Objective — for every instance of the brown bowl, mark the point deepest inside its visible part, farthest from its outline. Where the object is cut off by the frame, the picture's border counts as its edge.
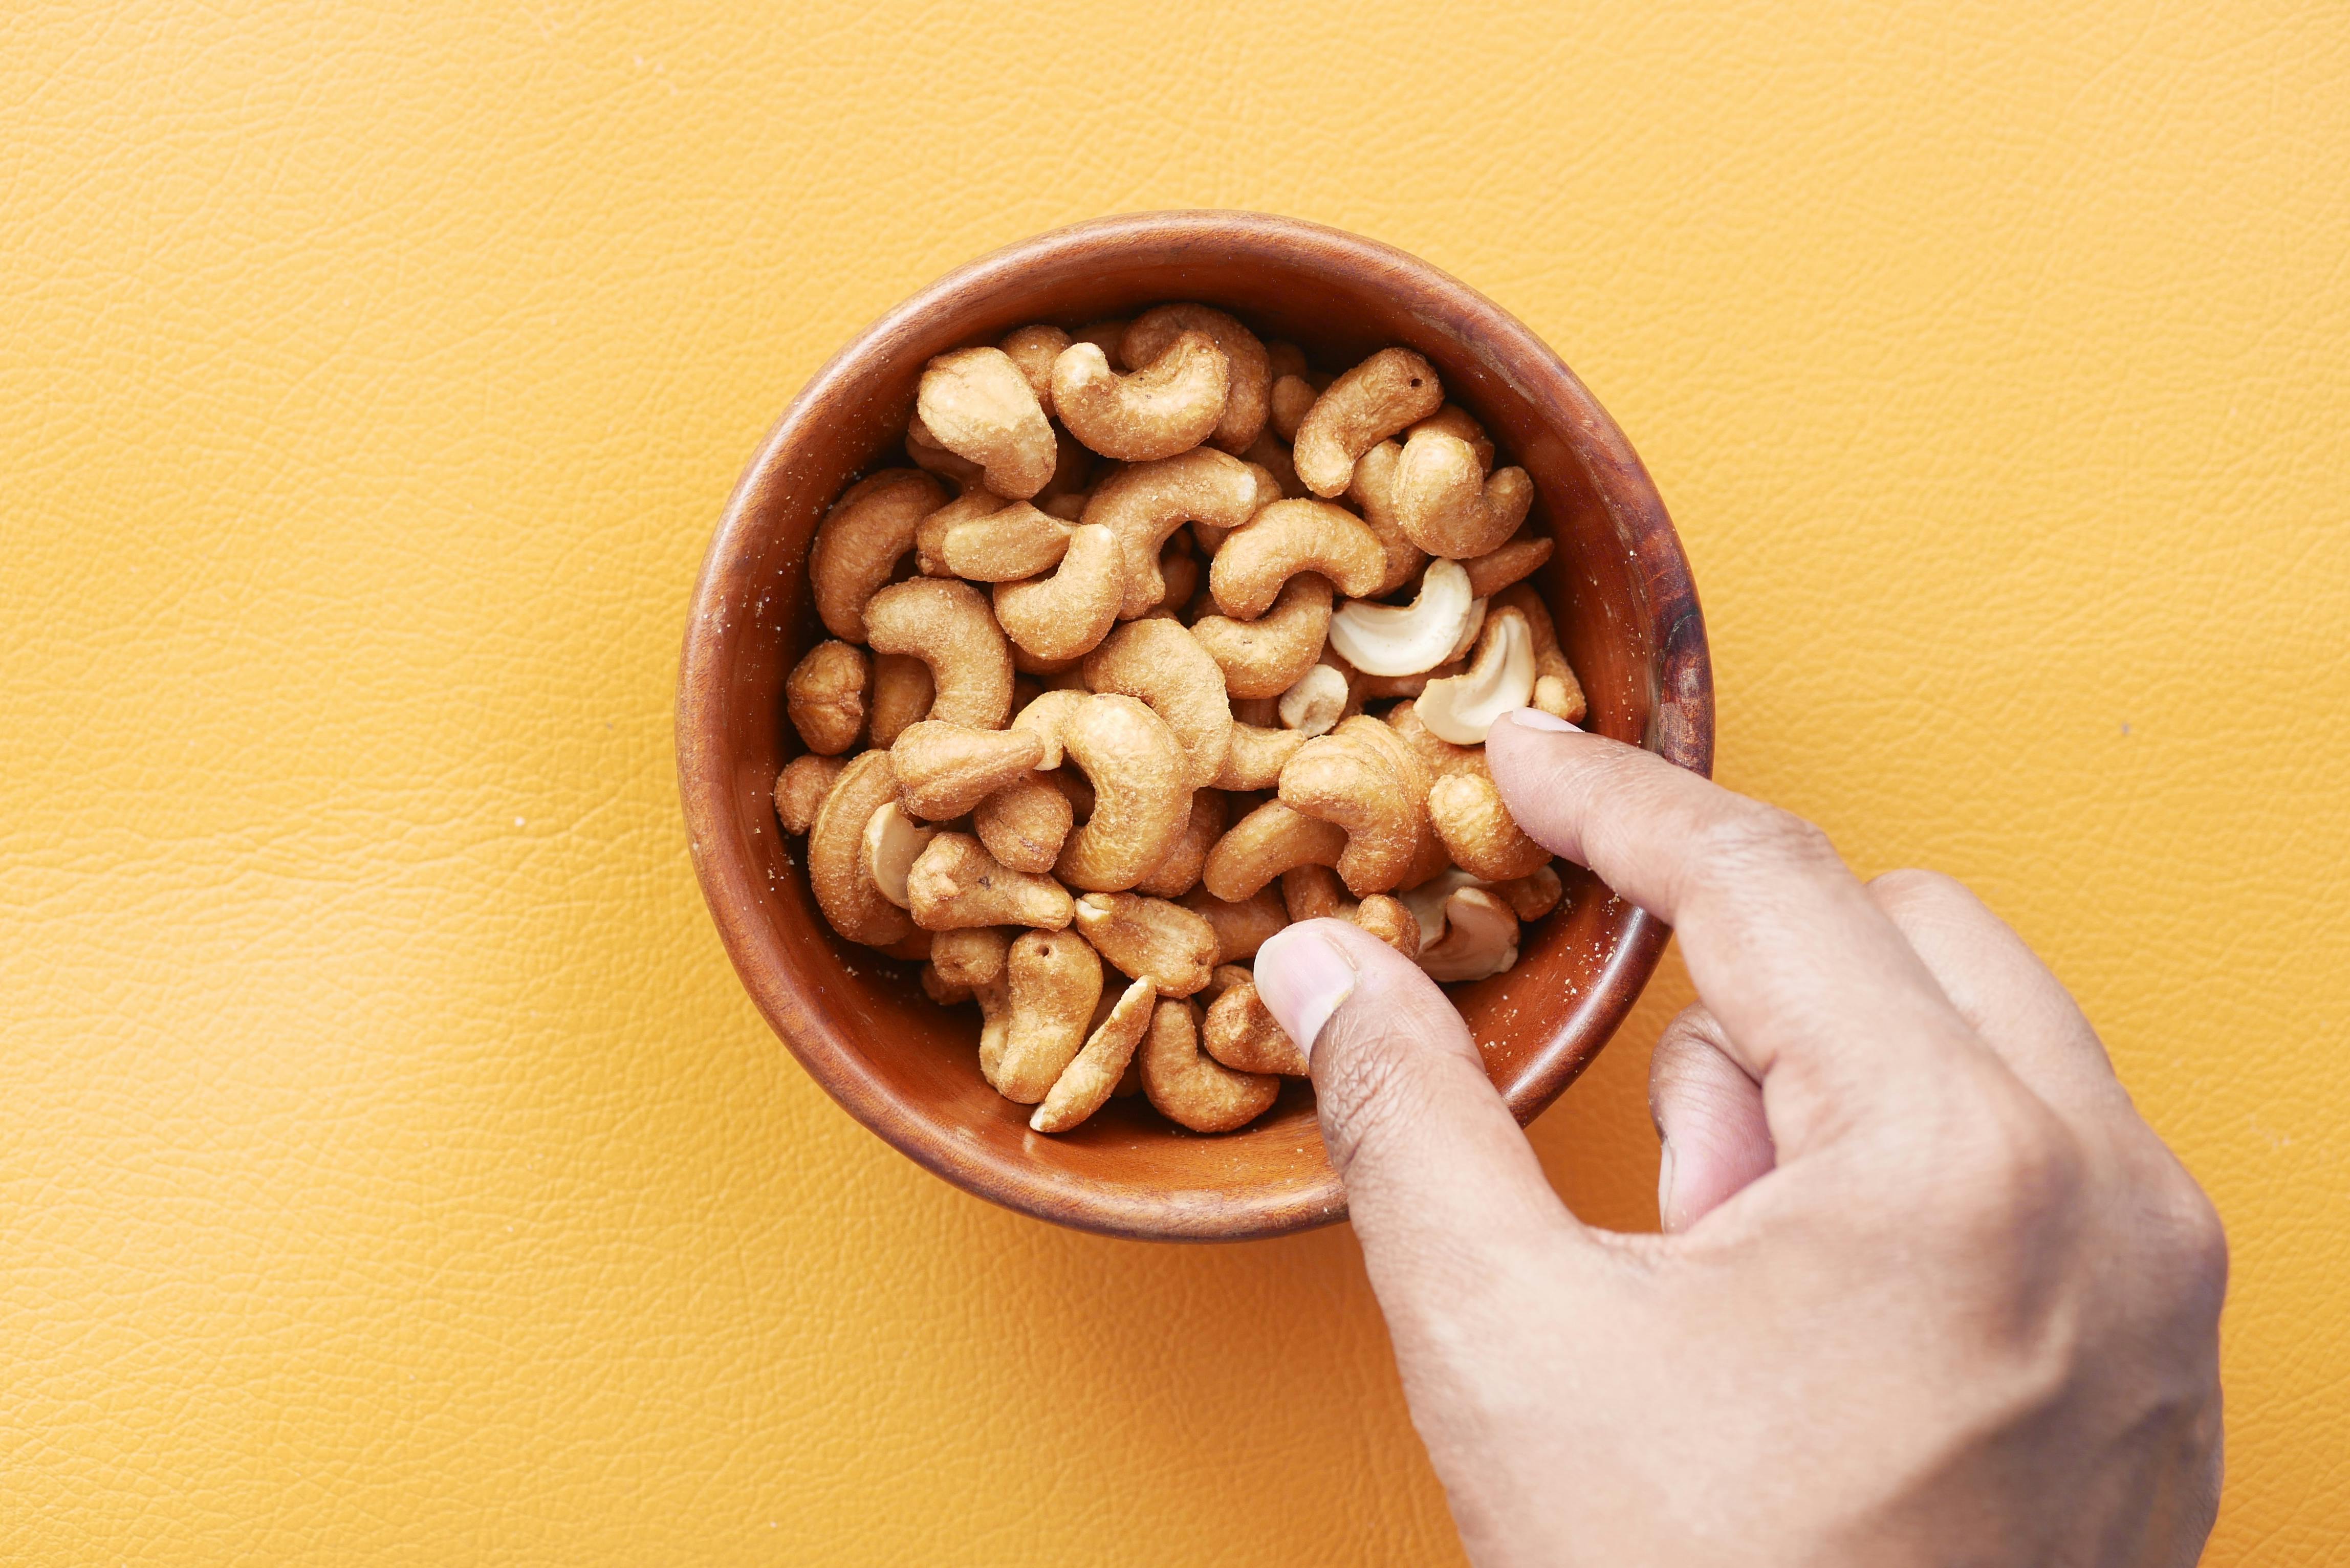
(1618, 584)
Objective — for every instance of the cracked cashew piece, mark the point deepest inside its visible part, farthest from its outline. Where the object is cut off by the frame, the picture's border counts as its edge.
(1393, 390)
(1085, 1085)
(1144, 503)
(947, 625)
(1141, 802)
(1461, 708)
(861, 539)
(1069, 611)
(1518, 559)
(1005, 545)
(1556, 690)
(1267, 656)
(955, 882)
(977, 404)
(1025, 824)
(1478, 831)
(1160, 663)
(1170, 405)
(836, 855)
(1180, 872)
(1191, 1088)
(1448, 504)
(1240, 927)
(1265, 843)
(1285, 539)
(1413, 639)
(824, 696)
(1372, 490)
(892, 841)
(1480, 939)
(901, 695)
(1033, 350)
(1349, 778)
(1150, 939)
(801, 787)
(1155, 331)
(1316, 704)
(946, 769)
(1055, 981)
(931, 532)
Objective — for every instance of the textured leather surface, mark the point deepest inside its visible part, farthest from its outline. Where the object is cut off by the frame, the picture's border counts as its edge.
(392, 1169)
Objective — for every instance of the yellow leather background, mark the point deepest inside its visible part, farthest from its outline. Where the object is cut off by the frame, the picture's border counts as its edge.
(392, 1170)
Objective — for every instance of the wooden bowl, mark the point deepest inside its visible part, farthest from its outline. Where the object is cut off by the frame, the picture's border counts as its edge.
(1618, 584)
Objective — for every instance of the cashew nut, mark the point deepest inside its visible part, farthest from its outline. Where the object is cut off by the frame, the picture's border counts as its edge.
(1161, 663)
(861, 539)
(1140, 799)
(1005, 545)
(944, 769)
(1265, 843)
(1479, 831)
(1454, 421)
(955, 882)
(1150, 939)
(1257, 756)
(1556, 690)
(1033, 350)
(1242, 927)
(1267, 656)
(1068, 611)
(1480, 938)
(901, 694)
(1055, 981)
(1518, 557)
(1181, 569)
(1291, 398)
(1269, 453)
(972, 955)
(1284, 358)
(1316, 704)
(1392, 390)
(1444, 500)
(1240, 1031)
(931, 532)
(1531, 897)
(1441, 757)
(1363, 780)
(1285, 539)
(1315, 893)
(1105, 335)
(1156, 331)
(836, 846)
(1144, 504)
(923, 448)
(1461, 708)
(1180, 872)
(824, 696)
(801, 787)
(1168, 406)
(946, 625)
(1388, 919)
(1191, 1088)
(1025, 824)
(943, 992)
(1372, 490)
(977, 404)
(1085, 1085)
(892, 842)
(1408, 639)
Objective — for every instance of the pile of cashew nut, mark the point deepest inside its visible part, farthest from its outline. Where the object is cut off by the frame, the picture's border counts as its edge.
(1164, 641)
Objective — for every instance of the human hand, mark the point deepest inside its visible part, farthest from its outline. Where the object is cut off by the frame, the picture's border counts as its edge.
(1929, 1290)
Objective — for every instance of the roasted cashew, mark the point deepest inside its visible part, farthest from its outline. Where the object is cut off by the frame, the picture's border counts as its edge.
(1265, 657)
(1449, 506)
(1533, 896)
(977, 404)
(1162, 664)
(931, 532)
(1285, 539)
(955, 882)
(861, 539)
(824, 696)
(1271, 454)
(801, 787)
(1344, 779)
(1289, 402)
(1154, 332)
(946, 624)
(1479, 831)
(1518, 557)
(1315, 893)
(1191, 1088)
(835, 853)
(1480, 938)
(1055, 981)
(946, 770)
(1372, 490)
(1240, 1032)
(901, 694)
(1257, 755)
(1392, 390)
(1461, 708)
(1316, 704)
(1105, 335)
(1005, 545)
(971, 955)
(1181, 569)
(1033, 350)
(943, 992)
(1242, 927)
(1086, 1084)
(1025, 824)
(1170, 405)
(892, 842)
(923, 448)
(1146, 503)
(1556, 690)
(1284, 358)
(1141, 800)
(1265, 843)
(1068, 611)
(1442, 758)
(1413, 639)
(1150, 939)
(1454, 421)
(1180, 872)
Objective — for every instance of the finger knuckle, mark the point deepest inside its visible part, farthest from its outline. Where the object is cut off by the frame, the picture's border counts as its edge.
(1762, 840)
(2017, 1169)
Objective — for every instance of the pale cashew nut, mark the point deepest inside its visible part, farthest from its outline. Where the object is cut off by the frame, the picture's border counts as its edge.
(1144, 504)
(1518, 559)
(1240, 927)
(1285, 539)
(901, 695)
(1170, 405)
(931, 533)
(1149, 939)
(801, 787)
(1346, 779)
(1033, 350)
(1240, 1032)
(891, 843)
(1162, 664)
(824, 696)
(1440, 756)
(1447, 503)
(1556, 690)
(861, 539)
(1480, 938)
(946, 770)
(1479, 831)
(1429, 900)
(1156, 331)
(1258, 754)
(1408, 639)
(1191, 1088)
(1456, 422)
(1005, 545)
(1372, 490)
(1055, 980)
(836, 854)
(1073, 471)
(1467, 639)
(1140, 799)
(1025, 824)
(1393, 389)
(946, 624)
(955, 882)
(1180, 872)
(1086, 1084)
(1267, 656)
(1461, 708)
(1068, 611)
(1316, 704)
(1265, 843)
(1291, 398)
(977, 404)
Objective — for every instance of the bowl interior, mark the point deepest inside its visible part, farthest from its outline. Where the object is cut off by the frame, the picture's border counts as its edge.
(1617, 585)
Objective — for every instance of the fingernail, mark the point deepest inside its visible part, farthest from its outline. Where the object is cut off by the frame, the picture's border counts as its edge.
(1663, 1182)
(1536, 719)
(1303, 978)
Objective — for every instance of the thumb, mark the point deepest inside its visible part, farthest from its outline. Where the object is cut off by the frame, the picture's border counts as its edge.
(1434, 1164)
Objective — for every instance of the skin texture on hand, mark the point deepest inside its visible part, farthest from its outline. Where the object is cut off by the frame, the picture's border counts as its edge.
(1929, 1290)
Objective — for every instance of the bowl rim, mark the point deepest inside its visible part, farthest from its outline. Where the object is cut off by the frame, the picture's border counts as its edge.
(1681, 729)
